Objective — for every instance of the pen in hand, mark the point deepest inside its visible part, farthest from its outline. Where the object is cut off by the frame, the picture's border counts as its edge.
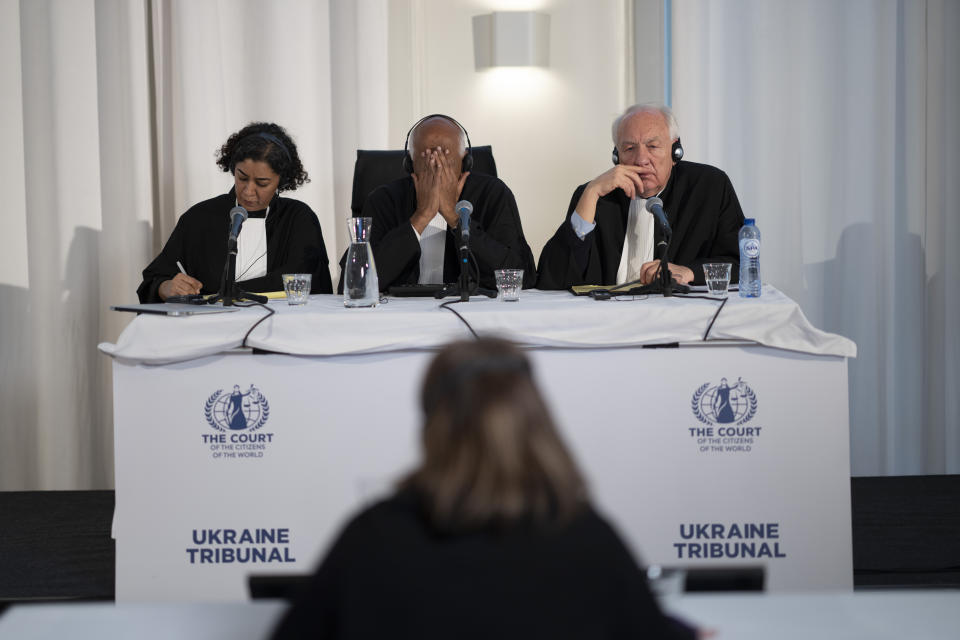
(184, 272)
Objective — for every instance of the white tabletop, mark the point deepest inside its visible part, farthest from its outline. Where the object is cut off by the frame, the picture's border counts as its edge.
(540, 318)
(102, 620)
(873, 615)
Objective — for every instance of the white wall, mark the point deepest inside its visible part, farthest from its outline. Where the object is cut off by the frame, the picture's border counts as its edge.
(549, 127)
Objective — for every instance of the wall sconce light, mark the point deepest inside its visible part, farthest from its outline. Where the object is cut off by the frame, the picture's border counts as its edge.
(511, 39)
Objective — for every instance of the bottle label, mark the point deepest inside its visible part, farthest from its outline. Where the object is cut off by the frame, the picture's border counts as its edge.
(750, 248)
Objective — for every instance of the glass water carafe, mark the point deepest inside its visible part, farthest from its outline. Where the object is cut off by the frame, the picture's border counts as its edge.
(360, 285)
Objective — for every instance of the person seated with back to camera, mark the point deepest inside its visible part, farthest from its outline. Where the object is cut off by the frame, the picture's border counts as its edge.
(491, 536)
(280, 236)
(414, 222)
(604, 241)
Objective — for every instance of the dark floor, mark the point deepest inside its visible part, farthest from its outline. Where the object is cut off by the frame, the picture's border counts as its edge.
(56, 544)
(906, 531)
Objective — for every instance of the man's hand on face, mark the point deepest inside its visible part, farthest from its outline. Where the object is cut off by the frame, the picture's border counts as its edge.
(426, 180)
(450, 184)
(438, 182)
(624, 176)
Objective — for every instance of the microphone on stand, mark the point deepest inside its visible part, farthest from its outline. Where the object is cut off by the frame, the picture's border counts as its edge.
(464, 209)
(465, 286)
(655, 206)
(229, 291)
(668, 286)
(238, 216)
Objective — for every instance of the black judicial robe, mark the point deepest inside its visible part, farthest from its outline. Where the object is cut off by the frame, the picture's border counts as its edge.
(391, 574)
(703, 212)
(199, 242)
(496, 236)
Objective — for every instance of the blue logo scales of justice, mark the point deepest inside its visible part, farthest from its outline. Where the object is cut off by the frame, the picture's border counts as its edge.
(723, 403)
(237, 410)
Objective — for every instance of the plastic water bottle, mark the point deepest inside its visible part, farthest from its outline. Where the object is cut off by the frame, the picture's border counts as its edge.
(749, 259)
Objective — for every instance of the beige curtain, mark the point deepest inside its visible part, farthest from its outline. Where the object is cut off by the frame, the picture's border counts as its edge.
(837, 122)
(111, 113)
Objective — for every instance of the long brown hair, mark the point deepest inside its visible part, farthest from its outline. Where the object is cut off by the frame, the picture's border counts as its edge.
(491, 452)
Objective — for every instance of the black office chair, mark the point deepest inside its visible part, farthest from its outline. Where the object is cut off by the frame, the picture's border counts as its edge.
(734, 578)
(665, 579)
(374, 168)
(277, 586)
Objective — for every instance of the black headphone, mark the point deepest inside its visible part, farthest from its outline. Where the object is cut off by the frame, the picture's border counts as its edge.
(467, 163)
(676, 153)
(269, 137)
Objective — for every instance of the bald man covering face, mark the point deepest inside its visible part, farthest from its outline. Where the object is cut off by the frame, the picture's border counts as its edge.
(605, 241)
(414, 222)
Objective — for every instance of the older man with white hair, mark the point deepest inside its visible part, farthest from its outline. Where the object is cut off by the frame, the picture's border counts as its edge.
(607, 237)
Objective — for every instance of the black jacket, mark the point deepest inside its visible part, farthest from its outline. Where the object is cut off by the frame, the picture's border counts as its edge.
(390, 574)
(199, 241)
(496, 235)
(703, 212)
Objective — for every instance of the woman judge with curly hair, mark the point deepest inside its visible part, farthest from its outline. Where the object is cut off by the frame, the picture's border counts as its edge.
(280, 236)
(491, 536)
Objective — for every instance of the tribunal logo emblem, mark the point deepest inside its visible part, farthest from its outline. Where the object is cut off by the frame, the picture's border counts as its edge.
(237, 410)
(724, 404)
